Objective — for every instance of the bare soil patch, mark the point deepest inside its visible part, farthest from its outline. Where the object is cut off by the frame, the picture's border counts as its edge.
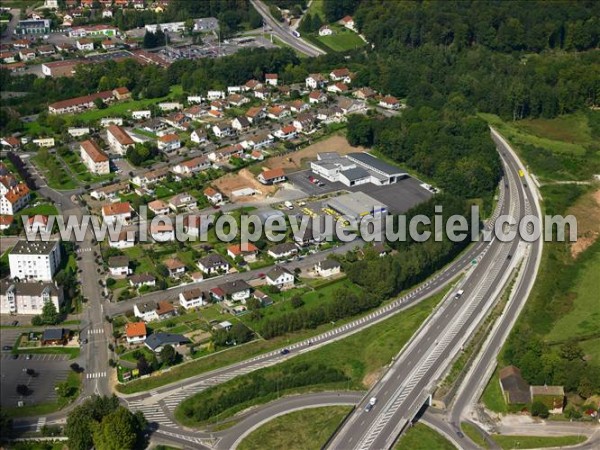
(300, 159)
(587, 212)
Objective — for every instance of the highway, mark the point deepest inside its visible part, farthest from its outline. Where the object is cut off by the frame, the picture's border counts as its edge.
(406, 386)
(284, 33)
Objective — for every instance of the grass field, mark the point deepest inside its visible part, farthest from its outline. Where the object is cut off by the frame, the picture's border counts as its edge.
(510, 442)
(46, 209)
(343, 39)
(421, 437)
(474, 434)
(360, 357)
(123, 108)
(54, 173)
(591, 349)
(584, 316)
(563, 148)
(492, 395)
(307, 429)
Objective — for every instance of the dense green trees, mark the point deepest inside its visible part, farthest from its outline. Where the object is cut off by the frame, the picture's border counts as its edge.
(262, 384)
(142, 153)
(101, 423)
(153, 40)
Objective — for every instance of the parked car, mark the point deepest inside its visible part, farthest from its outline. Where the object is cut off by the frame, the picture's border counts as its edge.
(7, 348)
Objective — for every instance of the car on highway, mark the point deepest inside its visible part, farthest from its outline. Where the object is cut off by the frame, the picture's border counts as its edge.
(459, 294)
(7, 348)
(285, 351)
(371, 403)
(14, 323)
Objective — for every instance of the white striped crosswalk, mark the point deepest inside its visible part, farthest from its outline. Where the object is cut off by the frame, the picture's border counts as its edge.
(40, 424)
(96, 331)
(95, 375)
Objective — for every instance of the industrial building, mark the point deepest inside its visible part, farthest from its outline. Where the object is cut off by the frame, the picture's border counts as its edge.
(355, 169)
(356, 205)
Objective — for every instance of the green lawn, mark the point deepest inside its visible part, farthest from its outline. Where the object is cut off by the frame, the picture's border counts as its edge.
(421, 437)
(46, 209)
(124, 108)
(474, 434)
(308, 429)
(360, 357)
(492, 395)
(343, 39)
(584, 316)
(563, 148)
(591, 349)
(510, 442)
(73, 352)
(54, 173)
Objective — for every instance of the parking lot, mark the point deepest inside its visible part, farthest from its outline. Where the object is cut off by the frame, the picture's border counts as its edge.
(48, 370)
(8, 336)
(398, 197)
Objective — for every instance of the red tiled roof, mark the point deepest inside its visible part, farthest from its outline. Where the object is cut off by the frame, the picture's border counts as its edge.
(273, 173)
(116, 208)
(94, 151)
(120, 135)
(135, 329)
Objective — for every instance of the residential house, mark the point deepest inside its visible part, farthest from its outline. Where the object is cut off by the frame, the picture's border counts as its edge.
(159, 207)
(141, 114)
(260, 140)
(213, 196)
(94, 158)
(106, 121)
(169, 143)
(163, 231)
(199, 136)
(149, 311)
(44, 142)
(316, 97)
(213, 263)
(192, 166)
(515, 389)
(237, 100)
(364, 93)
(84, 45)
(328, 268)
(551, 396)
(272, 176)
(118, 139)
(154, 125)
(175, 267)
(178, 120)
(350, 106)
(262, 93)
(221, 130)
(263, 298)
(193, 225)
(38, 223)
(252, 85)
(193, 112)
(135, 332)
(78, 131)
(157, 341)
(280, 277)
(125, 239)
(298, 106)
(287, 132)
(55, 336)
(118, 266)
(247, 251)
(107, 44)
(389, 102)
(116, 212)
(256, 114)
(110, 192)
(240, 123)
(338, 88)
(237, 291)
(122, 93)
(315, 81)
(10, 142)
(226, 153)
(194, 99)
(151, 177)
(271, 79)
(213, 95)
(6, 222)
(348, 22)
(78, 104)
(170, 106)
(304, 123)
(141, 280)
(278, 112)
(325, 30)
(340, 75)
(283, 250)
(193, 298)
(182, 202)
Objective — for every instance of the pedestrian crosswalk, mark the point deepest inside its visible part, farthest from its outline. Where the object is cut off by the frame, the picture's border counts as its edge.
(96, 331)
(95, 375)
(40, 424)
(84, 250)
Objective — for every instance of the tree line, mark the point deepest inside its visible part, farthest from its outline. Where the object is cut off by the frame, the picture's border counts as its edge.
(257, 385)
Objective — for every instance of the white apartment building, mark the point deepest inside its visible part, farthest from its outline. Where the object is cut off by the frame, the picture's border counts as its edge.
(28, 298)
(118, 139)
(36, 260)
(94, 158)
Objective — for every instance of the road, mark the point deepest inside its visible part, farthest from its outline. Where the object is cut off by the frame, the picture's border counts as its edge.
(93, 326)
(284, 33)
(476, 379)
(406, 386)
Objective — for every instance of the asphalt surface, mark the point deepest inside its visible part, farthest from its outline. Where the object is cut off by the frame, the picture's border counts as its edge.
(411, 379)
(284, 33)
